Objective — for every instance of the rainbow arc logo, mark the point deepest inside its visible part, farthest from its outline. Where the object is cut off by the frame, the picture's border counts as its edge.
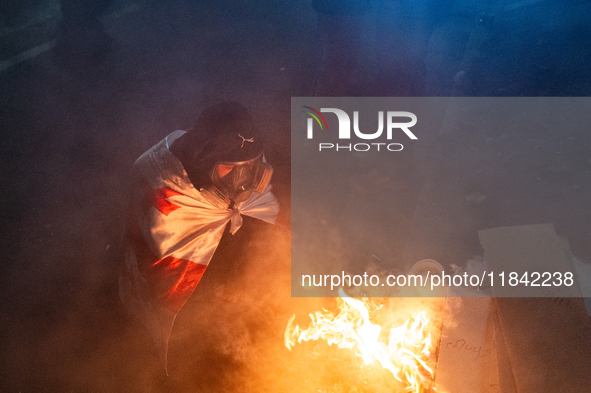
(313, 114)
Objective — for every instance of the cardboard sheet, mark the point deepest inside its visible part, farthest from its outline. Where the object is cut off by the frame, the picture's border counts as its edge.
(525, 250)
(467, 360)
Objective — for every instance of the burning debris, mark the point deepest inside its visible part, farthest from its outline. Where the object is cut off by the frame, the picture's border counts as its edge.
(407, 353)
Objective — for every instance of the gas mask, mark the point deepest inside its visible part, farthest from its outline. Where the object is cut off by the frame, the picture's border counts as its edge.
(223, 155)
(234, 182)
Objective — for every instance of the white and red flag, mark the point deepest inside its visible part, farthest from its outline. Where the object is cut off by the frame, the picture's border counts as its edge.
(171, 235)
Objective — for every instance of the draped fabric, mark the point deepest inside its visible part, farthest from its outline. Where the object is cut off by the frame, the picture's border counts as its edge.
(172, 233)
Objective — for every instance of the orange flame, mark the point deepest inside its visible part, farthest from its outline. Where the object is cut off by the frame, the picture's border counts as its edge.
(406, 355)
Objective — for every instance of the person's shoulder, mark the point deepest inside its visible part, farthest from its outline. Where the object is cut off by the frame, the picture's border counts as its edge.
(163, 145)
(173, 136)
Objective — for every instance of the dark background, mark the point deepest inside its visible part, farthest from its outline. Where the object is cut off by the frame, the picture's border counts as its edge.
(87, 86)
